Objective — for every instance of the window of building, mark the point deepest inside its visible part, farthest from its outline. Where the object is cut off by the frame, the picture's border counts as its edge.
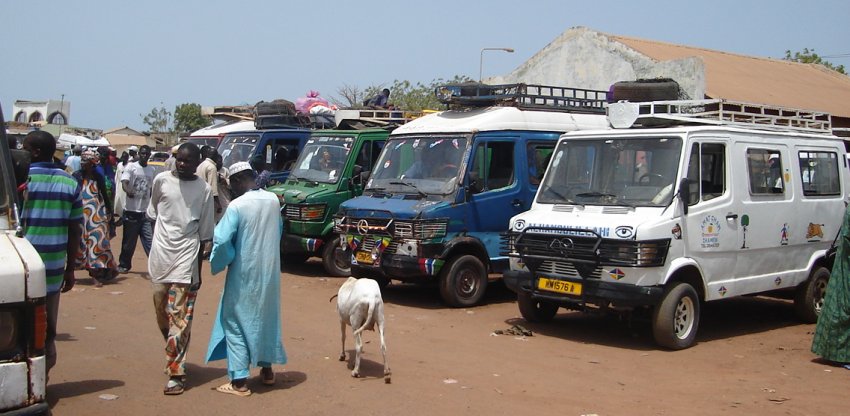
(21, 117)
(57, 118)
(36, 117)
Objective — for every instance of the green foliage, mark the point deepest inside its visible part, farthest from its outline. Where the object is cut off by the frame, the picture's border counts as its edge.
(157, 120)
(188, 118)
(808, 56)
(404, 94)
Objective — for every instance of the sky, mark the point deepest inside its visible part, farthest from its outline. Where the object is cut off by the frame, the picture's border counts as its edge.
(116, 60)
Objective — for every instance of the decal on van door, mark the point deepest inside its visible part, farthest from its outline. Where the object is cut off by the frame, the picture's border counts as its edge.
(616, 274)
(745, 222)
(783, 235)
(814, 230)
(710, 232)
(677, 231)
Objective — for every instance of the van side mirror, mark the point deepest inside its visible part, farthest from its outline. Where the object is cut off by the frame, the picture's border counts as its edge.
(685, 194)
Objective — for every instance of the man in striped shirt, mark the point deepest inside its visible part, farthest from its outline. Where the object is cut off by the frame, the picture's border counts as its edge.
(52, 215)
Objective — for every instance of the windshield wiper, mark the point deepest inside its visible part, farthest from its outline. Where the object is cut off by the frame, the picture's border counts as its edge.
(563, 197)
(422, 194)
(595, 194)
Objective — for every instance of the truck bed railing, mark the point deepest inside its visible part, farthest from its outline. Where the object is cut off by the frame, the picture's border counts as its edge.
(524, 96)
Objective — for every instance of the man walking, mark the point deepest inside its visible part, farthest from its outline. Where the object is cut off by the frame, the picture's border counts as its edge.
(208, 171)
(247, 327)
(181, 205)
(136, 182)
(51, 217)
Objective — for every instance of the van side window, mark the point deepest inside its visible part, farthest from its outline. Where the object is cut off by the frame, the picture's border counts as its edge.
(538, 159)
(707, 171)
(764, 167)
(492, 166)
(368, 154)
(819, 173)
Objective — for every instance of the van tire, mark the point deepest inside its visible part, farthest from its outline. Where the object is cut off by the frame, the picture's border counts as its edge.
(463, 281)
(810, 295)
(335, 259)
(536, 310)
(675, 320)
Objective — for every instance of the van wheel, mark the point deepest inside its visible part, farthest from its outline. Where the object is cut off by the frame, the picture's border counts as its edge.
(463, 281)
(335, 259)
(676, 318)
(535, 310)
(808, 301)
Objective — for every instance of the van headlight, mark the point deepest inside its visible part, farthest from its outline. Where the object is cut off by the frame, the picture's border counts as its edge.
(8, 330)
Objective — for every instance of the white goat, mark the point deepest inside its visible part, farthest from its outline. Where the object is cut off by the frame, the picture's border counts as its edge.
(360, 305)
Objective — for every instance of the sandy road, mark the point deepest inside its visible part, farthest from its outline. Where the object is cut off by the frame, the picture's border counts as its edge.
(752, 357)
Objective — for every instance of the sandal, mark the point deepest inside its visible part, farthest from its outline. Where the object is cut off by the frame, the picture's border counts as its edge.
(267, 375)
(173, 387)
(229, 389)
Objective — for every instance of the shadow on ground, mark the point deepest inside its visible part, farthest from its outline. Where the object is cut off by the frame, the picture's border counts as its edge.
(719, 320)
(56, 392)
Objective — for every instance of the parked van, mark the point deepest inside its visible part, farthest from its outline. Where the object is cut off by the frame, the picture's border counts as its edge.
(447, 183)
(212, 135)
(23, 294)
(278, 147)
(331, 169)
(696, 201)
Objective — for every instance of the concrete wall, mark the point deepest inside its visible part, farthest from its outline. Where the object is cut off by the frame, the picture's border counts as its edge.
(583, 58)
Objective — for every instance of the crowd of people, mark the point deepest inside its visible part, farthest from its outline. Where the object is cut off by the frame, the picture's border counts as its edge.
(72, 209)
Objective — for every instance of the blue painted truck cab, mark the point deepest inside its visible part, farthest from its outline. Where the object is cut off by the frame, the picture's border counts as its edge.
(446, 186)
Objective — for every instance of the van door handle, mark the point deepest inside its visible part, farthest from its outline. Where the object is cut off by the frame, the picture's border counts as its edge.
(516, 203)
(731, 217)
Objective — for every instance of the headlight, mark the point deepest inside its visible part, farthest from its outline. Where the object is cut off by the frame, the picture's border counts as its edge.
(8, 330)
(312, 212)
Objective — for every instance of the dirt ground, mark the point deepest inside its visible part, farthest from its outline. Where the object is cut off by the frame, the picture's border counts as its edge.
(752, 357)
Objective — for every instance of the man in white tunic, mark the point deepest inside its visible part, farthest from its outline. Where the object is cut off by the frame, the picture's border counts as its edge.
(247, 240)
(182, 207)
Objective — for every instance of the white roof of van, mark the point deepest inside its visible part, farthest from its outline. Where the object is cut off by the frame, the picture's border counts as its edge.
(225, 127)
(502, 118)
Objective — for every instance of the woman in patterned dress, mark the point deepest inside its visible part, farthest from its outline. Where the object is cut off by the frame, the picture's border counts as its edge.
(95, 254)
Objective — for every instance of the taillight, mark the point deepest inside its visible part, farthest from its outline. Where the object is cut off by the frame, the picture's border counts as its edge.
(39, 326)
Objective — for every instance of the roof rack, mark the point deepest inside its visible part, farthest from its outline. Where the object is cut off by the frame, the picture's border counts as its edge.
(625, 114)
(364, 118)
(524, 96)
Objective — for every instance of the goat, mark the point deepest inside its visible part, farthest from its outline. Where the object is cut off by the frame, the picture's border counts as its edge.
(360, 305)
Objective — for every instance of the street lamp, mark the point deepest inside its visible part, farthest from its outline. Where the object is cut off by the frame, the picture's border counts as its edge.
(481, 62)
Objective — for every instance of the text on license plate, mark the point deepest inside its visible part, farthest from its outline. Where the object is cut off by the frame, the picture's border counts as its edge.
(560, 286)
(363, 257)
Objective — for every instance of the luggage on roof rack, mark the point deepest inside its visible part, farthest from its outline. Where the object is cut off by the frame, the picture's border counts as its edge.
(524, 96)
(718, 112)
(365, 118)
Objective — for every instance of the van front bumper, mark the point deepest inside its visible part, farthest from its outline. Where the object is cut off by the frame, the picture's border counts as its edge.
(593, 291)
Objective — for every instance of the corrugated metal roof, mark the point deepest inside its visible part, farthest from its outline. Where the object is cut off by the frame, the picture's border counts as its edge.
(758, 80)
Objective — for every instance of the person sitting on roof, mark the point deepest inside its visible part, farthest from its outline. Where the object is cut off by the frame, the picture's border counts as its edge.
(379, 101)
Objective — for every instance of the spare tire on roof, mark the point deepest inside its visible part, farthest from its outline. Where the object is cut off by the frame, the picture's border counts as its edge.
(660, 89)
(275, 107)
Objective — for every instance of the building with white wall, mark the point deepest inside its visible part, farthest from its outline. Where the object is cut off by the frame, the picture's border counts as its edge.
(41, 112)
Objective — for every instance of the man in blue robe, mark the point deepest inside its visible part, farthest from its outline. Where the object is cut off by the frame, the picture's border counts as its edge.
(247, 330)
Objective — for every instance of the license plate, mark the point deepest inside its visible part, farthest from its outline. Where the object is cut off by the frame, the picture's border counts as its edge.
(363, 257)
(559, 286)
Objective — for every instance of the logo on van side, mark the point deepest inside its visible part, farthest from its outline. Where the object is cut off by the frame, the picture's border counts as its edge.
(814, 230)
(624, 231)
(710, 232)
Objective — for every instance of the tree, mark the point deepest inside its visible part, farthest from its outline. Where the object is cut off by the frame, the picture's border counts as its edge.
(404, 94)
(808, 56)
(157, 119)
(188, 118)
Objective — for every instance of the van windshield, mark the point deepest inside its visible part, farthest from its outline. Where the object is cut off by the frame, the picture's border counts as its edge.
(237, 148)
(323, 159)
(622, 171)
(420, 165)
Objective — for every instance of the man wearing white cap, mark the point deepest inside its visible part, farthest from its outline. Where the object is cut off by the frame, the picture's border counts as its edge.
(246, 241)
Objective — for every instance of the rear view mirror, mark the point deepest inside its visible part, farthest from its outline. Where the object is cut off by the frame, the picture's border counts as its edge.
(685, 194)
